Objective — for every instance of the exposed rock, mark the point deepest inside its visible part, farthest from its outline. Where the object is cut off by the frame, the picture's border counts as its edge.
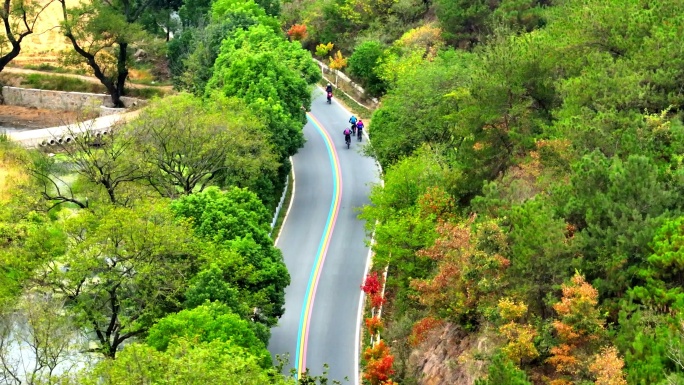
(449, 356)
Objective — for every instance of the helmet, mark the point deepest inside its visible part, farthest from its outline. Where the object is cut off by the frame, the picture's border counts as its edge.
(329, 84)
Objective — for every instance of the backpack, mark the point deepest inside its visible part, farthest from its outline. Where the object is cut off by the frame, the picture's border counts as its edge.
(352, 120)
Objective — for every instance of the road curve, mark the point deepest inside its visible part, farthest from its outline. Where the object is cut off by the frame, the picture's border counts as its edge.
(324, 246)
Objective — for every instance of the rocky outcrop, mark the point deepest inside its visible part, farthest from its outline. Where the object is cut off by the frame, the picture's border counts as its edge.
(450, 356)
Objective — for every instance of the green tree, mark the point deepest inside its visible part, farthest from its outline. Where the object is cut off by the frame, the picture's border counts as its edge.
(463, 21)
(187, 144)
(102, 35)
(363, 64)
(107, 166)
(280, 93)
(542, 254)
(206, 323)
(244, 255)
(184, 362)
(193, 53)
(121, 271)
(502, 371)
(414, 109)
(616, 206)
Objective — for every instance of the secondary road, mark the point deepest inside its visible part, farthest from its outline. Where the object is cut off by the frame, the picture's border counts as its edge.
(324, 246)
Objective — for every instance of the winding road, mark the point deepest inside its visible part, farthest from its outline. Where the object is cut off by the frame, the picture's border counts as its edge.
(324, 246)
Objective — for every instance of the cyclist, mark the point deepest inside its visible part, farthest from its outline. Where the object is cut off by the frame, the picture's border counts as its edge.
(359, 129)
(353, 121)
(347, 136)
(328, 91)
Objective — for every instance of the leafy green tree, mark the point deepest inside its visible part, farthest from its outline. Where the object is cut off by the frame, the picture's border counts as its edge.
(102, 35)
(193, 53)
(413, 111)
(107, 166)
(118, 280)
(363, 64)
(238, 224)
(272, 7)
(525, 15)
(184, 362)
(280, 93)
(206, 323)
(159, 18)
(502, 371)
(663, 272)
(187, 144)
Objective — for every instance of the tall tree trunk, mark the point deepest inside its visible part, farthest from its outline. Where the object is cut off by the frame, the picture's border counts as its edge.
(122, 74)
(4, 60)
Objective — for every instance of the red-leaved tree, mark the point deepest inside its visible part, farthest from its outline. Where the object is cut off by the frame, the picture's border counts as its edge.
(378, 364)
(297, 32)
(372, 285)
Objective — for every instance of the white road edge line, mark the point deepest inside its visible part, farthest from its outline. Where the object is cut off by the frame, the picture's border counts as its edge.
(368, 260)
(360, 316)
(357, 353)
(289, 205)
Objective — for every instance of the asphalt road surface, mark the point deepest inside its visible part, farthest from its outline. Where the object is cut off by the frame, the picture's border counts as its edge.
(324, 246)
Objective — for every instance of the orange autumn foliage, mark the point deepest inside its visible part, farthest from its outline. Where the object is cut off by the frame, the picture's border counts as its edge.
(374, 325)
(297, 32)
(580, 329)
(421, 328)
(379, 363)
(607, 367)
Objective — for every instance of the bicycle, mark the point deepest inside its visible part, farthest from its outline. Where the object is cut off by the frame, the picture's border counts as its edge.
(347, 139)
(359, 132)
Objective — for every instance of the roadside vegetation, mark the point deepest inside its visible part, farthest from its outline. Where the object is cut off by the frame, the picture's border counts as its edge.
(144, 255)
(532, 173)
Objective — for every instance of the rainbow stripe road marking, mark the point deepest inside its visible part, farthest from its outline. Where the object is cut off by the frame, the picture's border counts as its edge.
(305, 319)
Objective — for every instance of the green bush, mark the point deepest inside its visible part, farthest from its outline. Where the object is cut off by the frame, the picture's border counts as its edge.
(363, 63)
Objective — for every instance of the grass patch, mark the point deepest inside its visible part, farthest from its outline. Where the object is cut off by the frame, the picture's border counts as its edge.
(74, 84)
(283, 210)
(146, 92)
(47, 67)
(60, 83)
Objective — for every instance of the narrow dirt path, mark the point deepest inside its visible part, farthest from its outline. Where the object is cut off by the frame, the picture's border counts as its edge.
(86, 78)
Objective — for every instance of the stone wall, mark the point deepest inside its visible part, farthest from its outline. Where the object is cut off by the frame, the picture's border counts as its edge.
(62, 101)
